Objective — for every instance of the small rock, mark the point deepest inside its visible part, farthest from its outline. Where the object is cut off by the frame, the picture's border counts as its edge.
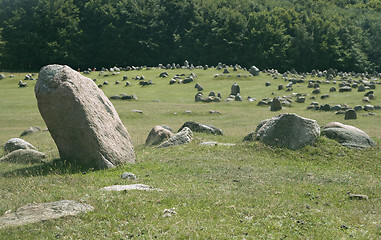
(128, 175)
(182, 137)
(30, 130)
(169, 212)
(350, 114)
(137, 111)
(358, 196)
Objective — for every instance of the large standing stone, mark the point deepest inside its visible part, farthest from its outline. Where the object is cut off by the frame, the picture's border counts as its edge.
(275, 105)
(33, 213)
(350, 114)
(289, 130)
(347, 135)
(82, 121)
(235, 89)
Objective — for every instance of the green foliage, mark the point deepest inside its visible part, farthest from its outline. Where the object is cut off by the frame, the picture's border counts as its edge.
(341, 34)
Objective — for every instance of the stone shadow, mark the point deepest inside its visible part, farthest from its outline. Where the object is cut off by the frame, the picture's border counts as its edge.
(56, 166)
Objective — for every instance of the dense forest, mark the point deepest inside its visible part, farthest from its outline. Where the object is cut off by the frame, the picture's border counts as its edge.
(281, 34)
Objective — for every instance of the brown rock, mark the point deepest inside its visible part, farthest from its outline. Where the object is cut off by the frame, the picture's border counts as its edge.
(82, 121)
(157, 135)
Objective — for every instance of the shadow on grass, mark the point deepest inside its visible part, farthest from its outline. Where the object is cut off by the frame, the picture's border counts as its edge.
(57, 166)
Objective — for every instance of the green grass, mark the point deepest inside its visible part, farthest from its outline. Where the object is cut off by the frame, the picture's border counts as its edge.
(246, 191)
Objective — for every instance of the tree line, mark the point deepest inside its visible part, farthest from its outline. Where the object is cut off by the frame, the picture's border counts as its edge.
(281, 34)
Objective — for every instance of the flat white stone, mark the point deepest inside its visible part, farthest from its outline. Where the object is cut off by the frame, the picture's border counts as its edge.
(32, 213)
(130, 187)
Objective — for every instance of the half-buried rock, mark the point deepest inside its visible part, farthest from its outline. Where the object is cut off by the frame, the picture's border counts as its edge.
(33, 213)
(25, 156)
(182, 137)
(82, 121)
(289, 130)
(347, 135)
(199, 127)
(157, 135)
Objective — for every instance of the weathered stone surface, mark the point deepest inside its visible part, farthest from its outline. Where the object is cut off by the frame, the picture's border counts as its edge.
(17, 143)
(182, 137)
(289, 130)
(350, 114)
(157, 135)
(130, 187)
(332, 89)
(82, 121)
(275, 105)
(27, 156)
(300, 99)
(32, 213)
(235, 89)
(128, 175)
(30, 130)
(204, 128)
(254, 71)
(345, 89)
(347, 135)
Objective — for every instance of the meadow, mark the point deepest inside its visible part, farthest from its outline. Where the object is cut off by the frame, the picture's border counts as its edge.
(245, 191)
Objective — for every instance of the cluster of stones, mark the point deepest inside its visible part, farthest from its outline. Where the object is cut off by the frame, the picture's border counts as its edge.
(294, 132)
(345, 83)
(286, 130)
(124, 96)
(21, 84)
(163, 136)
(18, 150)
(212, 97)
(180, 78)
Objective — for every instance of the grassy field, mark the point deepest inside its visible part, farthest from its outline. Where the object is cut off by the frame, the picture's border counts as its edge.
(246, 191)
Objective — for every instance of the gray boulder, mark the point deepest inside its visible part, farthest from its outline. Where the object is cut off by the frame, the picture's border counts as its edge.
(157, 135)
(30, 130)
(345, 89)
(26, 156)
(276, 105)
(289, 130)
(17, 143)
(235, 89)
(300, 99)
(253, 135)
(254, 71)
(350, 114)
(361, 88)
(32, 213)
(347, 135)
(81, 119)
(204, 128)
(182, 137)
